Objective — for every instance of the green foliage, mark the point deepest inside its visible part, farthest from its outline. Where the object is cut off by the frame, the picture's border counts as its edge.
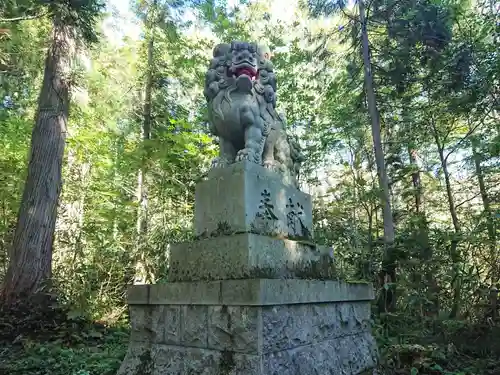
(435, 347)
(98, 354)
(14, 136)
(81, 14)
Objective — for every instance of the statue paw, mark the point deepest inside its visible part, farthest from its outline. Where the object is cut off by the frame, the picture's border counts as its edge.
(276, 166)
(244, 83)
(271, 164)
(220, 162)
(245, 154)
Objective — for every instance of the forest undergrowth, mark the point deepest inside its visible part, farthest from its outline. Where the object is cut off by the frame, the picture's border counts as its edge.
(49, 338)
(410, 345)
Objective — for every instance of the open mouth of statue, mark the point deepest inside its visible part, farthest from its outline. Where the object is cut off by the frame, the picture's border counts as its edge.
(252, 73)
(245, 69)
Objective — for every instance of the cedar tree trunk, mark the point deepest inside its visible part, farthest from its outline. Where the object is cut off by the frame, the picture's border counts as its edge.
(31, 253)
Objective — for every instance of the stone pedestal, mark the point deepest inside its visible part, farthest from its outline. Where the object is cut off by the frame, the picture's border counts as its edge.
(243, 299)
(248, 255)
(246, 197)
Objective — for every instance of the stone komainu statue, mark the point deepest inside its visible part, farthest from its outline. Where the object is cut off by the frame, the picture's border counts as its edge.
(240, 88)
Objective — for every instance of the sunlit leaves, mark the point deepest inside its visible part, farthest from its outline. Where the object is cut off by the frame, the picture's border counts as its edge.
(321, 7)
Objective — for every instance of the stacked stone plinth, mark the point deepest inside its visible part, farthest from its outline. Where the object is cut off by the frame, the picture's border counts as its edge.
(242, 299)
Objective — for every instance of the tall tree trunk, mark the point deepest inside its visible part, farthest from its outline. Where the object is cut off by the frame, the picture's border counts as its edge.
(490, 224)
(415, 177)
(31, 252)
(454, 251)
(142, 274)
(388, 264)
(422, 233)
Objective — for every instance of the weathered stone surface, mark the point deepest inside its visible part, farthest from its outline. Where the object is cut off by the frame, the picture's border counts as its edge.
(240, 89)
(235, 328)
(248, 255)
(164, 361)
(184, 293)
(348, 355)
(137, 359)
(292, 291)
(249, 329)
(194, 327)
(140, 323)
(289, 326)
(280, 327)
(155, 323)
(253, 292)
(343, 356)
(138, 294)
(169, 325)
(158, 322)
(239, 167)
(246, 197)
(204, 362)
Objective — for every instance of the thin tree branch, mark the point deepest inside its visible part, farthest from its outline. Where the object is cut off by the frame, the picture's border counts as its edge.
(467, 135)
(467, 200)
(22, 18)
(348, 16)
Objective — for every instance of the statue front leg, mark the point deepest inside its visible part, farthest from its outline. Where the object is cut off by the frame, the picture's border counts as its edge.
(268, 155)
(254, 137)
(282, 153)
(227, 154)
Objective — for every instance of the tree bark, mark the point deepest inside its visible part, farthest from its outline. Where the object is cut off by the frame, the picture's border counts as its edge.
(422, 233)
(454, 252)
(388, 264)
(31, 253)
(141, 274)
(415, 177)
(142, 223)
(490, 224)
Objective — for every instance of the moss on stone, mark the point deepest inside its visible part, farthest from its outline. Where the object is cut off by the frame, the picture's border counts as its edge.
(363, 282)
(321, 269)
(262, 228)
(145, 366)
(223, 229)
(316, 270)
(227, 363)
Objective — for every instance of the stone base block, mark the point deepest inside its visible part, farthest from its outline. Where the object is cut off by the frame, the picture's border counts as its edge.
(246, 197)
(347, 355)
(272, 327)
(248, 255)
(251, 292)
